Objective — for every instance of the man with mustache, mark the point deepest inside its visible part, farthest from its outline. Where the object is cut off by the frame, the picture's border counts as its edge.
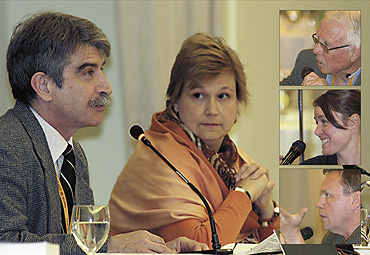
(336, 58)
(55, 63)
(339, 208)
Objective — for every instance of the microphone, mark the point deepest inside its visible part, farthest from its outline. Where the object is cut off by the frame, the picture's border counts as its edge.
(294, 152)
(306, 233)
(305, 71)
(138, 133)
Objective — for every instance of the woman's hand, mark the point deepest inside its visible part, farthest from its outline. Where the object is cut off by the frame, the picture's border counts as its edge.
(260, 192)
(264, 202)
(252, 178)
(254, 171)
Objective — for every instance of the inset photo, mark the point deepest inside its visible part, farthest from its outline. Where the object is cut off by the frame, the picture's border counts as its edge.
(320, 48)
(320, 206)
(327, 124)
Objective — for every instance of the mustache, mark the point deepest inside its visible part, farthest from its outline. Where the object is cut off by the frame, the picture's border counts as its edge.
(100, 100)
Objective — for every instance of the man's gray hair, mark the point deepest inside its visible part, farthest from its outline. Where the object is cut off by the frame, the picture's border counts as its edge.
(352, 19)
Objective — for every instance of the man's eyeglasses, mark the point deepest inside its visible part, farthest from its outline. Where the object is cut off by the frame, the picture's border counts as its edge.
(325, 48)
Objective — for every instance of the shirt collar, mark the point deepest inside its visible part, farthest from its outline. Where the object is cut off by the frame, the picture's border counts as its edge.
(57, 144)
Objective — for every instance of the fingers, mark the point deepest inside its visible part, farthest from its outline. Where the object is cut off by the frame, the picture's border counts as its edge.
(268, 188)
(137, 242)
(294, 221)
(240, 172)
(303, 211)
(183, 244)
(282, 240)
(259, 172)
(313, 79)
(254, 171)
(283, 213)
(280, 158)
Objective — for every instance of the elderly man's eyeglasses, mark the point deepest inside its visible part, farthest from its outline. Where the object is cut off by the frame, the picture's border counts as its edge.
(325, 48)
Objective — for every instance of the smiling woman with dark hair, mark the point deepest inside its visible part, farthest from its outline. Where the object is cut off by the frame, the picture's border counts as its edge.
(338, 118)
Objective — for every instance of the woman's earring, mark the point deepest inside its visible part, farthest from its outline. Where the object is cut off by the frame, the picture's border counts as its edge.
(176, 108)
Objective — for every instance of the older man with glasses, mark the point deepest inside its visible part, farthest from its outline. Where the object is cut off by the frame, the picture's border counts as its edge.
(336, 58)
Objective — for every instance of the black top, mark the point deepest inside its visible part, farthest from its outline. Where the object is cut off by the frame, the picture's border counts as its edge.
(321, 160)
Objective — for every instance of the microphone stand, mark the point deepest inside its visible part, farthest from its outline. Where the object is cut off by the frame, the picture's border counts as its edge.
(300, 108)
(364, 172)
(215, 241)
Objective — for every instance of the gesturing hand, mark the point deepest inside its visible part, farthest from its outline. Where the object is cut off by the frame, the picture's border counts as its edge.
(290, 224)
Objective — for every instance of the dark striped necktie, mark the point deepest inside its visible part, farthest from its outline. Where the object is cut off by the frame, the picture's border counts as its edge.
(68, 181)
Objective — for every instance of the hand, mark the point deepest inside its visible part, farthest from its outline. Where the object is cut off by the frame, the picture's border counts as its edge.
(140, 241)
(264, 202)
(252, 178)
(282, 240)
(184, 244)
(313, 79)
(262, 197)
(254, 171)
(280, 159)
(290, 224)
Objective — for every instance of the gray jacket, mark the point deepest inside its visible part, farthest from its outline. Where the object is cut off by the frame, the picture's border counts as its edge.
(354, 238)
(30, 209)
(306, 58)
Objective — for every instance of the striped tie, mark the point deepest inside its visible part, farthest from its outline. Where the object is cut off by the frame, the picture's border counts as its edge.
(68, 180)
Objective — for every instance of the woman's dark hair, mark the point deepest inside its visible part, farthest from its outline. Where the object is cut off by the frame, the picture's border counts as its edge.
(345, 102)
(44, 42)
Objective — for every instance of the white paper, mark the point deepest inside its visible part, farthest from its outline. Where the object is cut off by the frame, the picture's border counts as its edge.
(43, 248)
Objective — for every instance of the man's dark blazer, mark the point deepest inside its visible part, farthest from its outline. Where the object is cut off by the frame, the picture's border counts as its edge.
(306, 58)
(354, 238)
(30, 209)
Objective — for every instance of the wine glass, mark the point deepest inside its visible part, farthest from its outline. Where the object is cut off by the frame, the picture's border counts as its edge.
(90, 226)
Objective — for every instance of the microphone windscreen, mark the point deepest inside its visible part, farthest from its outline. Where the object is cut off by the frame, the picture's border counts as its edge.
(306, 71)
(294, 152)
(136, 131)
(299, 145)
(306, 233)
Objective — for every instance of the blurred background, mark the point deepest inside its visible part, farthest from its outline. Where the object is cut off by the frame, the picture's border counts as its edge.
(303, 192)
(296, 29)
(289, 122)
(146, 36)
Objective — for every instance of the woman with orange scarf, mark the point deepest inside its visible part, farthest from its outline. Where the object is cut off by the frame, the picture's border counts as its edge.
(207, 84)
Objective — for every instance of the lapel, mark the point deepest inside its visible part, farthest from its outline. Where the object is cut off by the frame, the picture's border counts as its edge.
(42, 151)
